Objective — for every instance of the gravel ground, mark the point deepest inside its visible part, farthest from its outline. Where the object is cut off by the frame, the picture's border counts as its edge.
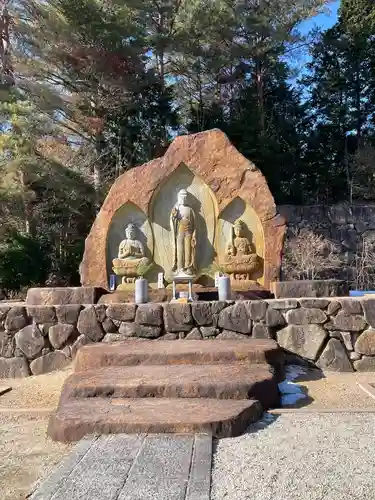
(298, 457)
(42, 391)
(335, 390)
(26, 454)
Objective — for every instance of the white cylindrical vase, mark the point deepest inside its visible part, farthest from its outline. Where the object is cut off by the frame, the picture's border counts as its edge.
(141, 291)
(224, 288)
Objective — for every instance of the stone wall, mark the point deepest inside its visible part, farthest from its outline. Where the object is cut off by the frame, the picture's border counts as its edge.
(343, 224)
(334, 334)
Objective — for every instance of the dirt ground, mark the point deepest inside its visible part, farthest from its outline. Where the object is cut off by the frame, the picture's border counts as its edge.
(28, 456)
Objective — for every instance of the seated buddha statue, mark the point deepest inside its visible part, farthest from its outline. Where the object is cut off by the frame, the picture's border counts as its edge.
(240, 260)
(131, 255)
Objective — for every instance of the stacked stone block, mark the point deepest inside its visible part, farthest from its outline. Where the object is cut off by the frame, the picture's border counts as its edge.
(332, 333)
(343, 224)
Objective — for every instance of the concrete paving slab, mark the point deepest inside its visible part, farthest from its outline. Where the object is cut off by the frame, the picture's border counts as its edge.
(53, 483)
(200, 478)
(133, 467)
(164, 456)
(163, 489)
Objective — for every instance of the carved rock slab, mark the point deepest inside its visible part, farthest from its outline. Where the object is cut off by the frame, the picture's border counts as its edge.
(236, 318)
(365, 343)
(14, 368)
(149, 314)
(304, 340)
(42, 314)
(306, 316)
(334, 358)
(16, 319)
(49, 362)
(64, 295)
(178, 317)
(7, 345)
(89, 325)
(227, 173)
(30, 341)
(68, 313)
(59, 334)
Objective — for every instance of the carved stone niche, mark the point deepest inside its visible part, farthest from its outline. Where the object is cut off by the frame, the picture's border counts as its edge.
(129, 214)
(218, 179)
(243, 265)
(202, 200)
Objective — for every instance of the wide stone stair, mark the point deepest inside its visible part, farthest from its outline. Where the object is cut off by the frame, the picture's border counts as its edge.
(185, 386)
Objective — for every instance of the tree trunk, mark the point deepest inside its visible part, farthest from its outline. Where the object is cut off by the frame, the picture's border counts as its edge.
(97, 184)
(260, 94)
(6, 70)
(358, 104)
(97, 170)
(161, 64)
(28, 208)
(347, 168)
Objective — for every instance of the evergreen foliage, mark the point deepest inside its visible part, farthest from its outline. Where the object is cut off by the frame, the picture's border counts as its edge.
(91, 88)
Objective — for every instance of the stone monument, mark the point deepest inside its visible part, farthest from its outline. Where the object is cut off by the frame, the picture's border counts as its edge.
(131, 257)
(183, 229)
(201, 204)
(241, 260)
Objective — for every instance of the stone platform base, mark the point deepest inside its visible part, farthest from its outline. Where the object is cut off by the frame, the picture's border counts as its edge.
(64, 295)
(200, 293)
(188, 352)
(220, 381)
(309, 288)
(168, 387)
(334, 333)
(79, 418)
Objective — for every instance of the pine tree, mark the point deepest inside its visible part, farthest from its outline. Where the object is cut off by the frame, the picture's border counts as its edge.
(88, 70)
(358, 16)
(341, 106)
(6, 66)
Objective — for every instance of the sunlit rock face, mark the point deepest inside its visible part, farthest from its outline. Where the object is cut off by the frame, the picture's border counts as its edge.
(201, 207)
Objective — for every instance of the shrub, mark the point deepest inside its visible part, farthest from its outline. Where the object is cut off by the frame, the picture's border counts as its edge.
(365, 266)
(308, 255)
(23, 261)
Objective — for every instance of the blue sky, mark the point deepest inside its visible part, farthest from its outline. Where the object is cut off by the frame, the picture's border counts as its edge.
(323, 21)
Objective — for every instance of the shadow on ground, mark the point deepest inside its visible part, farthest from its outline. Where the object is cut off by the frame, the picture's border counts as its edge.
(296, 374)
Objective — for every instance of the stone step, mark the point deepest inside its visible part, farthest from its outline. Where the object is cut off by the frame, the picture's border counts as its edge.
(229, 381)
(222, 418)
(161, 352)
